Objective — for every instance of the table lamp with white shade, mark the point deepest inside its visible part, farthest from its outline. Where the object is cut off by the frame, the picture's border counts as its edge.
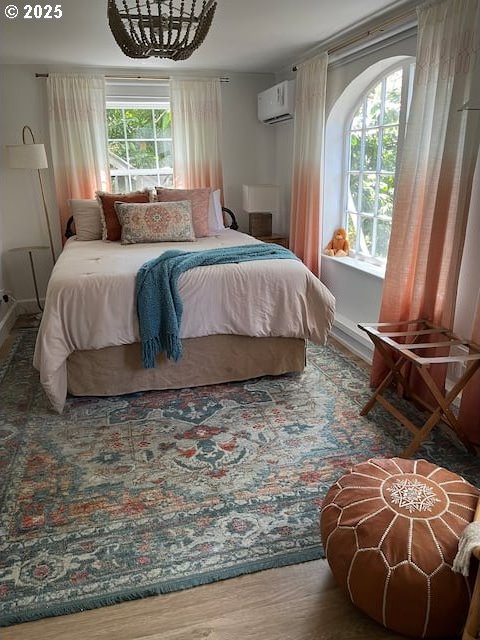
(31, 156)
(260, 201)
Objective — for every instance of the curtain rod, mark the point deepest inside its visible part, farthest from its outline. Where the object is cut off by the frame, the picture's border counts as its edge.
(365, 34)
(222, 79)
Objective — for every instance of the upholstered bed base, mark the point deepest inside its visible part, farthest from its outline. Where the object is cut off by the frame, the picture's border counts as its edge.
(208, 360)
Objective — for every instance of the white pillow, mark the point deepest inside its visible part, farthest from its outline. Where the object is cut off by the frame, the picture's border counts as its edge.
(87, 217)
(215, 213)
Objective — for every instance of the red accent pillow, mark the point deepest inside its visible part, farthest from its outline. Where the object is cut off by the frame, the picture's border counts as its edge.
(112, 229)
(390, 529)
(200, 200)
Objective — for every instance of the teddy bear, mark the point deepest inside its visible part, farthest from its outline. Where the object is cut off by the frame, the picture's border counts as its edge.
(338, 245)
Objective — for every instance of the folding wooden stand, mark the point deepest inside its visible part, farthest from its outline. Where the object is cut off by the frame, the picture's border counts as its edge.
(398, 348)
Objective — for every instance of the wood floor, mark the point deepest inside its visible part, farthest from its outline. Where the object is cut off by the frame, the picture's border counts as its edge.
(301, 602)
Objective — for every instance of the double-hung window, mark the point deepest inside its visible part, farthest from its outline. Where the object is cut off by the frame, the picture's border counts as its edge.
(139, 145)
(374, 137)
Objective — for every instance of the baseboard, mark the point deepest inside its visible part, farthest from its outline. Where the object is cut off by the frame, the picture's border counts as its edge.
(353, 338)
(7, 323)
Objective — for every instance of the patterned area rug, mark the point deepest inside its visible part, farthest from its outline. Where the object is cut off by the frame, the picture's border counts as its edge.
(120, 498)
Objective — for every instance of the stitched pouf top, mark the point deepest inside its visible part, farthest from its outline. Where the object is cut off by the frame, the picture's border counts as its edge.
(390, 529)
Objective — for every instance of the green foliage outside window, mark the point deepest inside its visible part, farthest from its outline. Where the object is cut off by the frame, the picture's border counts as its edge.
(372, 157)
(140, 147)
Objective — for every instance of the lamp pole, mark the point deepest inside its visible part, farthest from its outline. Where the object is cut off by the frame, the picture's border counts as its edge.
(26, 129)
(46, 217)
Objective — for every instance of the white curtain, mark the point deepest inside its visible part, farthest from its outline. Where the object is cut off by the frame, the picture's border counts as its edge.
(197, 130)
(308, 144)
(78, 137)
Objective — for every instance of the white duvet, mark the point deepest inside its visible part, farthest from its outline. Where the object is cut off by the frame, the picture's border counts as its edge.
(90, 301)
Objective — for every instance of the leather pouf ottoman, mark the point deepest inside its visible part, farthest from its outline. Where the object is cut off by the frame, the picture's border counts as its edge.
(390, 530)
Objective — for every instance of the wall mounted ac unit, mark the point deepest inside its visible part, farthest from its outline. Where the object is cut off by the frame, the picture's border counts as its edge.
(277, 103)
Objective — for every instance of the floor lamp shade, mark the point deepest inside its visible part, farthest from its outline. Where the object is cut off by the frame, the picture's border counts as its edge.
(31, 156)
(27, 156)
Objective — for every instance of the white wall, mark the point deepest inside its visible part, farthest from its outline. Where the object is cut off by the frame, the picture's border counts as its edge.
(357, 292)
(248, 155)
(21, 210)
(6, 315)
(248, 145)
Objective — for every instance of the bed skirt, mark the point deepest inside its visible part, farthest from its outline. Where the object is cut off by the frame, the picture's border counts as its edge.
(208, 360)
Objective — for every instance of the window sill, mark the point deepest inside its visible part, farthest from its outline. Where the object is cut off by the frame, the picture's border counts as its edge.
(360, 265)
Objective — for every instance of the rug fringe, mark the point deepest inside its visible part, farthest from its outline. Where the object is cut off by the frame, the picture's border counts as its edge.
(62, 609)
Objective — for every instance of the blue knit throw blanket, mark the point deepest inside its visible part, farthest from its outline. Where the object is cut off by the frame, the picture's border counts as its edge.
(159, 306)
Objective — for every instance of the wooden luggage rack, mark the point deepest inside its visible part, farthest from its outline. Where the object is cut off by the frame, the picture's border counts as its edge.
(400, 347)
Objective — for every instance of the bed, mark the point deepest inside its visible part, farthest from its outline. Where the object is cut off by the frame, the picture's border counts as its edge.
(240, 320)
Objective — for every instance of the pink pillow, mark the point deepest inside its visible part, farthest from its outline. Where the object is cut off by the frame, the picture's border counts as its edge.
(199, 198)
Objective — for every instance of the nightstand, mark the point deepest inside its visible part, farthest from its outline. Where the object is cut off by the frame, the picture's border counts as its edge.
(281, 240)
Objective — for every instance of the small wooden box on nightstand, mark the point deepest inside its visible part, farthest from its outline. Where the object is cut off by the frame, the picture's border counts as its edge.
(260, 224)
(281, 240)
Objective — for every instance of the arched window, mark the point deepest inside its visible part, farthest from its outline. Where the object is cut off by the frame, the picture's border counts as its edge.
(374, 136)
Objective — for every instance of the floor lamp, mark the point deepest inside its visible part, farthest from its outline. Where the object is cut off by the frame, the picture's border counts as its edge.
(31, 156)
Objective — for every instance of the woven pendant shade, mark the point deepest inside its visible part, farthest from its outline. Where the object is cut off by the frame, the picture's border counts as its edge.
(160, 28)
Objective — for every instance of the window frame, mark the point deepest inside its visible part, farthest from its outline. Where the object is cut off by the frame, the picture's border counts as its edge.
(157, 172)
(408, 67)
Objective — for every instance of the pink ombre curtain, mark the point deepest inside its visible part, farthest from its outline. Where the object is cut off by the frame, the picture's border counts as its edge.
(469, 416)
(435, 179)
(467, 318)
(197, 131)
(308, 142)
(78, 137)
